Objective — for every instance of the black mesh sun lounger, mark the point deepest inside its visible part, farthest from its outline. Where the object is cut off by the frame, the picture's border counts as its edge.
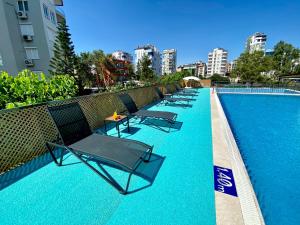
(171, 99)
(186, 94)
(133, 110)
(185, 90)
(77, 138)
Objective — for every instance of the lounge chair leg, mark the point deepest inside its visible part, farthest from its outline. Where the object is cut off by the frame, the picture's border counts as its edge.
(52, 154)
(106, 176)
(61, 157)
(149, 157)
(127, 185)
(128, 129)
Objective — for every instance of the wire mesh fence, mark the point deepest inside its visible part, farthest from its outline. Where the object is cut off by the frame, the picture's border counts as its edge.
(24, 131)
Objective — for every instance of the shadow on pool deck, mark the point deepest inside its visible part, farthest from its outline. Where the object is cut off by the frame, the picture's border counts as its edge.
(146, 170)
(18, 173)
(182, 105)
(162, 125)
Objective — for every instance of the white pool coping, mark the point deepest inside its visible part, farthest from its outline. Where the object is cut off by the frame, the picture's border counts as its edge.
(253, 93)
(231, 210)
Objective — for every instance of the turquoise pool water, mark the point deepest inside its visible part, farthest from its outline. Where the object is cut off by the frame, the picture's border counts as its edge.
(182, 190)
(267, 131)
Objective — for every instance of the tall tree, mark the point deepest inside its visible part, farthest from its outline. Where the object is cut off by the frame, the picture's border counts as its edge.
(64, 59)
(86, 69)
(144, 70)
(284, 58)
(131, 73)
(296, 69)
(250, 67)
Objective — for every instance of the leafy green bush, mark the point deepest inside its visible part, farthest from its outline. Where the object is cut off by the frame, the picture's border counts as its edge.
(116, 87)
(5, 83)
(173, 77)
(62, 87)
(29, 88)
(216, 78)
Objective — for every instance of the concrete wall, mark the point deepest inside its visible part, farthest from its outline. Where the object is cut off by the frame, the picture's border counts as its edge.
(12, 44)
(205, 83)
(11, 48)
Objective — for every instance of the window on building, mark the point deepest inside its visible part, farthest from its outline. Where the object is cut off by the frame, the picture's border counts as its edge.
(32, 53)
(52, 17)
(26, 29)
(46, 11)
(23, 5)
(1, 61)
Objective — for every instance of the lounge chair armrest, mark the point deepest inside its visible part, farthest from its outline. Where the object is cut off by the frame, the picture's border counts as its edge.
(56, 145)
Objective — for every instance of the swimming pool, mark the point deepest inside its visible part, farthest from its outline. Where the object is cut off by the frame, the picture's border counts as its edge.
(267, 131)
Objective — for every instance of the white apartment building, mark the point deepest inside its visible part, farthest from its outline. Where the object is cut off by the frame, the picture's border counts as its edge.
(217, 62)
(169, 61)
(28, 31)
(201, 69)
(121, 55)
(152, 52)
(256, 42)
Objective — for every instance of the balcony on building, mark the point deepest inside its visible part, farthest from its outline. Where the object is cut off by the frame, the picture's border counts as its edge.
(58, 2)
(60, 14)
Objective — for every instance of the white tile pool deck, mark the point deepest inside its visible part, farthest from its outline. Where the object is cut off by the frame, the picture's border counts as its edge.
(243, 209)
(182, 191)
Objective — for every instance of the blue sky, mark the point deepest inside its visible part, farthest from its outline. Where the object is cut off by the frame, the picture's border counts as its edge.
(192, 27)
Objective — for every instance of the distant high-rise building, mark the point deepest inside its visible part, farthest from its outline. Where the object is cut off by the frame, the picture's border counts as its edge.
(231, 66)
(217, 61)
(191, 68)
(256, 42)
(121, 55)
(195, 69)
(228, 67)
(28, 31)
(153, 54)
(200, 69)
(169, 61)
(122, 60)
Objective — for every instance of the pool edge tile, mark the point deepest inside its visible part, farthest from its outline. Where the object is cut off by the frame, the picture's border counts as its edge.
(243, 209)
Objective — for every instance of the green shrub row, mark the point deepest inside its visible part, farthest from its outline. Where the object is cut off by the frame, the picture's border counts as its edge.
(30, 88)
(173, 77)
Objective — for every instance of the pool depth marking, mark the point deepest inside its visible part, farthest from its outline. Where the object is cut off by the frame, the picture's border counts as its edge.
(224, 181)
